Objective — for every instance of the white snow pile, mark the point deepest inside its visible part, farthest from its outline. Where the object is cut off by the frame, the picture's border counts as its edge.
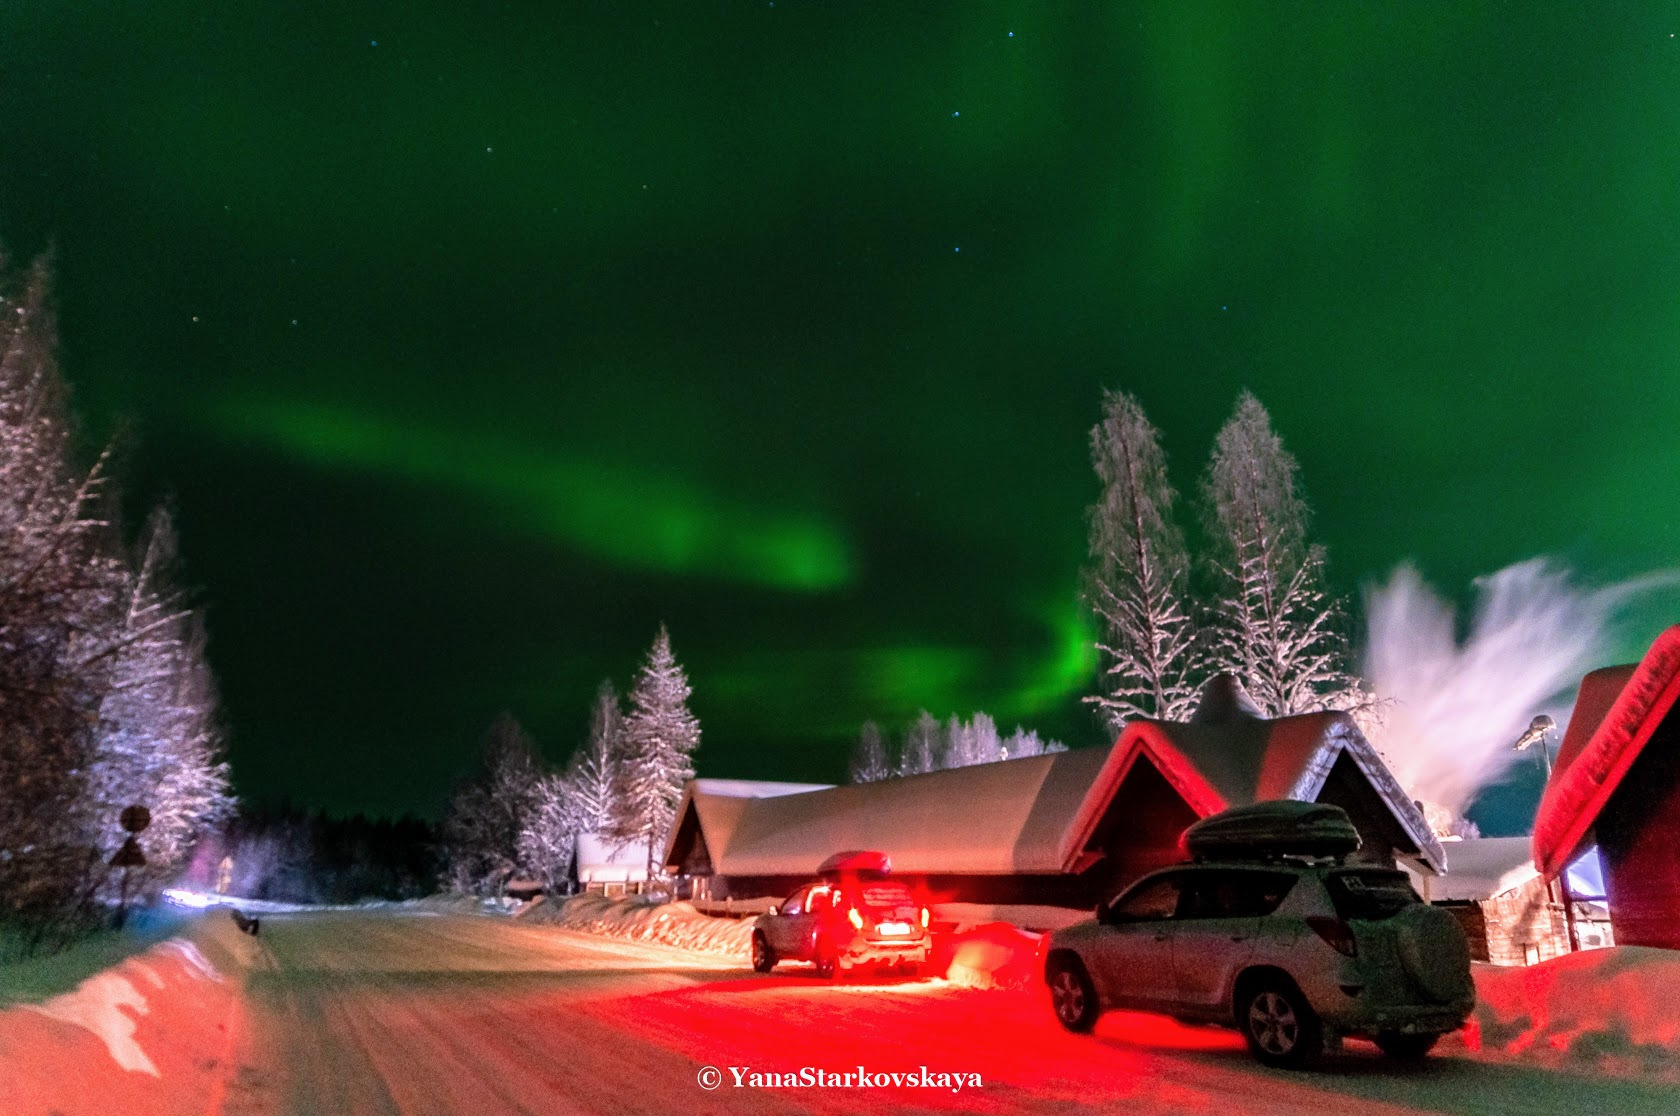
(452, 903)
(150, 1035)
(675, 924)
(1610, 1010)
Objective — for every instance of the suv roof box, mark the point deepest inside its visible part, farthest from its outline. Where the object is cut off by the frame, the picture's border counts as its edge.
(1268, 829)
(855, 860)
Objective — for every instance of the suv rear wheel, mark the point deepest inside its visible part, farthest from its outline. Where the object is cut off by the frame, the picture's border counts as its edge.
(823, 958)
(763, 957)
(1406, 1048)
(1281, 1028)
(1072, 996)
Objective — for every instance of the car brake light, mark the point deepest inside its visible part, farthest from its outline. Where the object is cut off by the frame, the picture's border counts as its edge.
(1336, 933)
(857, 919)
(924, 918)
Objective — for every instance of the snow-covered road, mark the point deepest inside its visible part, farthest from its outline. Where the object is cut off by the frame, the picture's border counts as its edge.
(386, 1013)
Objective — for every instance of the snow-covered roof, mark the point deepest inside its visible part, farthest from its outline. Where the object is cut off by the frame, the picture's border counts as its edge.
(1480, 868)
(1227, 755)
(1011, 816)
(719, 804)
(601, 860)
(753, 788)
(1037, 814)
(1616, 712)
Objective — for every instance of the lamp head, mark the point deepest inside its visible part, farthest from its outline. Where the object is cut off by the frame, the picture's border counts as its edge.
(1536, 732)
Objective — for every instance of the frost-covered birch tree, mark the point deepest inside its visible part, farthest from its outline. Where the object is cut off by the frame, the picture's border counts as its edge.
(594, 767)
(1026, 742)
(159, 739)
(660, 736)
(1272, 625)
(870, 763)
(1136, 582)
(60, 593)
(106, 697)
(971, 742)
(549, 836)
(923, 746)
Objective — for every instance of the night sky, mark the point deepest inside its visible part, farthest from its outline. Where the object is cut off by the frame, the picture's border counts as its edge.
(471, 342)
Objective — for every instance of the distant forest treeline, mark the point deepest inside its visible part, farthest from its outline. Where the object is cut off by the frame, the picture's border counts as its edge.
(291, 855)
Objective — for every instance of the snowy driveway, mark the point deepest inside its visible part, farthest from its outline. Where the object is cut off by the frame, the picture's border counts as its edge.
(381, 1013)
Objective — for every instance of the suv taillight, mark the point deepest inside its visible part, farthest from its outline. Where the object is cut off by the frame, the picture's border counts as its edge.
(924, 918)
(1337, 934)
(856, 919)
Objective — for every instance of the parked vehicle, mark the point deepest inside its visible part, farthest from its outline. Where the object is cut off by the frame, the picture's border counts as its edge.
(1276, 935)
(853, 916)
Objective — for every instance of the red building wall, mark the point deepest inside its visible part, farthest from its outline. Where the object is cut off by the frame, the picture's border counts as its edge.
(1639, 840)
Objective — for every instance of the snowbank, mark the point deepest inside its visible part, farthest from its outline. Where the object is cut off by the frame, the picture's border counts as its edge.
(35, 979)
(673, 924)
(451, 903)
(966, 916)
(996, 955)
(155, 1030)
(1611, 1010)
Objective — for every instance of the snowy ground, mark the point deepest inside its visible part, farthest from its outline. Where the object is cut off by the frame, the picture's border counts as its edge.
(397, 1012)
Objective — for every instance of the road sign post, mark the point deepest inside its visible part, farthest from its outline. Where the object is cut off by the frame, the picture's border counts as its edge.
(134, 820)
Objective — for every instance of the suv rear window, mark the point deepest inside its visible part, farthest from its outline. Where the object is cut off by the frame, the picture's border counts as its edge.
(1233, 893)
(884, 895)
(1370, 893)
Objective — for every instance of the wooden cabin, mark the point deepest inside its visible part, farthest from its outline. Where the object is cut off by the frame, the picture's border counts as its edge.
(1616, 784)
(1510, 913)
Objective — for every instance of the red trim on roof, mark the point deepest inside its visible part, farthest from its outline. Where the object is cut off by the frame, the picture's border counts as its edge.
(1145, 739)
(1598, 752)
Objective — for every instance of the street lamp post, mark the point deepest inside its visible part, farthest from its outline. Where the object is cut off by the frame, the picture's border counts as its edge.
(1536, 733)
(1538, 730)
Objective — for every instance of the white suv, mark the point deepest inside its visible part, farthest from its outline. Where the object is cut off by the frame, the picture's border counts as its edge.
(1292, 952)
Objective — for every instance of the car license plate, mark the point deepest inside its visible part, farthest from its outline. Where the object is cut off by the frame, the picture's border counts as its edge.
(893, 927)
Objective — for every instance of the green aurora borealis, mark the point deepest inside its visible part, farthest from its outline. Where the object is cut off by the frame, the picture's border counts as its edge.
(471, 342)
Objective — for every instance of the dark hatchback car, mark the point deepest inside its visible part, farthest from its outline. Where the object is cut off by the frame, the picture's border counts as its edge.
(853, 916)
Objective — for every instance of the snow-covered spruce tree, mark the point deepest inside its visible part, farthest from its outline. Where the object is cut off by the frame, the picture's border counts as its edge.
(660, 736)
(1272, 623)
(923, 745)
(1137, 579)
(480, 834)
(60, 591)
(158, 737)
(594, 767)
(870, 763)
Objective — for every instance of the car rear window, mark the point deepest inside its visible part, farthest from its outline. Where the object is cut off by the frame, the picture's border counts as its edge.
(1370, 893)
(880, 895)
(1233, 893)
